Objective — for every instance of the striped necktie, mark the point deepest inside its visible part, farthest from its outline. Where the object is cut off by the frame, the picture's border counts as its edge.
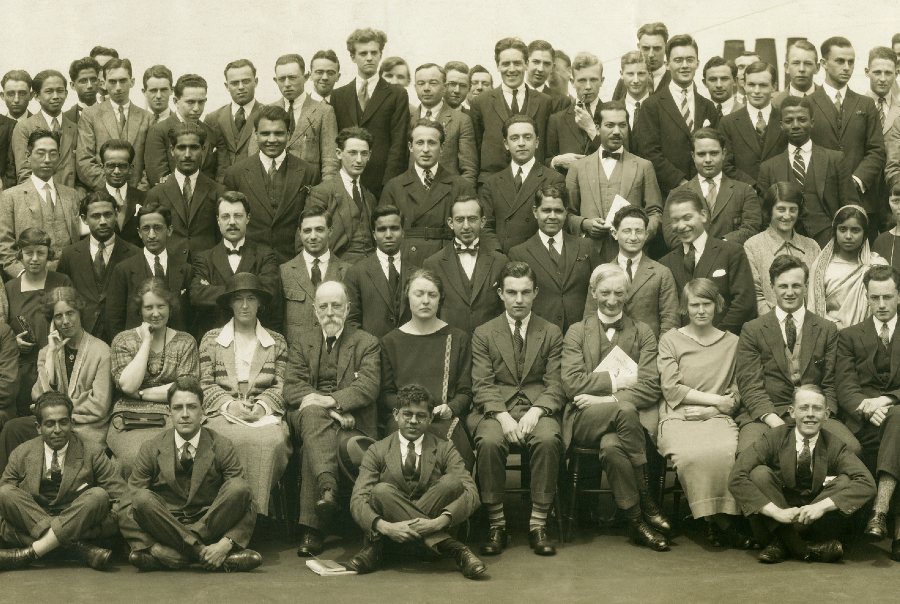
(686, 110)
(798, 168)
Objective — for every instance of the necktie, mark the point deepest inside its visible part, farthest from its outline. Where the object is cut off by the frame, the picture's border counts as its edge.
(54, 125)
(839, 107)
(99, 262)
(363, 95)
(881, 103)
(270, 182)
(187, 191)
(393, 276)
(628, 269)
(428, 114)
(804, 467)
(428, 179)
(689, 261)
(185, 458)
(885, 336)
(554, 254)
(519, 344)
(240, 119)
(121, 121)
(719, 109)
(617, 325)
(711, 193)
(409, 464)
(315, 275)
(616, 155)
(158, 271)
(637, 107)
(48, 194)
(798, 168)
(686, 110)
(55, 469)
(120, 201)
(790, 332)
(293, 124)
(518, 179)
(357, 196)
(329, 343)
(233, 251)
(514, 108)
(760, 125)
(466, 250)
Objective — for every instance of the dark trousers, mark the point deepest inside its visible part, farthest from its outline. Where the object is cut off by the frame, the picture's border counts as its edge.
(394, 505)
(186, 534)
(616, 430)
(23, 520)
(545, 450)
(882, 444)
(318, 434)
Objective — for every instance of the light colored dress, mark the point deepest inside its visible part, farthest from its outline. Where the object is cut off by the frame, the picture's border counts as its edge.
(836, 289)
(701, 451)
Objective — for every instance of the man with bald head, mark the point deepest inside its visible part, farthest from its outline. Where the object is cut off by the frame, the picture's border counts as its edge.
(331, 387)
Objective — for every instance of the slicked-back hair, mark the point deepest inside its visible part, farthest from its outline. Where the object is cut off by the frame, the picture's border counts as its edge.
(882, 272)
(291, 58)
(233, 197)
(657, 28)
(882, 52)
(508, 43)
(185, 383)
(519, 118)
(157, 71)
(117, 63)
(183, 128)
(38, 134)
(516, 269)
(52, 398)
(681, 40)
(762, 66)
(784, 263)
(273, 113)
(386, 210)
(313, 210)
(553, 191)
(328, 54)
(426, 123)
(79, 65)
(189, 80)
(839, 41)
(239, 63)
(719, 62)
(42, 76)
(803, 45)
(117, 144)
(155, 207)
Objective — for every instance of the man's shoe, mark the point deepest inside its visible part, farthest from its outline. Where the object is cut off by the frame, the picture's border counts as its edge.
(241, 561)
(368, 559)
(540, 543)
(311, 543)
(826, 551)
(653, 516)
(876, 527)
(12, 559)
(496, 542)
(772, 553)
(467, 562)
(94, 556)
(145, 561)
(327, 506)
(643, 534)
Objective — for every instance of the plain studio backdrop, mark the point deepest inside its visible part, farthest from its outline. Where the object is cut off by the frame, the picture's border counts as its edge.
(201, 37)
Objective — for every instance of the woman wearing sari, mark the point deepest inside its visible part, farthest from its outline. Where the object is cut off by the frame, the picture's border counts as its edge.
(837, 291)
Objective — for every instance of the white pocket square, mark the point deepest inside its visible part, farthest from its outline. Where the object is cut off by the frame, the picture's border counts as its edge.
(707, 123)
(719, 273)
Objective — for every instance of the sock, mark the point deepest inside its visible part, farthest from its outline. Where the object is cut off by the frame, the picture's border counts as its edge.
(327, 481)
(496, 519)
(539, 512)
(886, 484)
(633, 513)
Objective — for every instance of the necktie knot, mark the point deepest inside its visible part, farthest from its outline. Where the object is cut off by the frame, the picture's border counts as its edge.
(617, 325)
(185, 458)
(428, 178)
(234, 251)
(329, 342)
(461, 249)
(428, 114)
(616, 155)
(711, 182)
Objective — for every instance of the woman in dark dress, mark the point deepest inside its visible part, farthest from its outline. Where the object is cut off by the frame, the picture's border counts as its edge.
(428, 351)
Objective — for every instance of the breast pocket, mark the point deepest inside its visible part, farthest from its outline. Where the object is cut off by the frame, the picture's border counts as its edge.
(295, 300)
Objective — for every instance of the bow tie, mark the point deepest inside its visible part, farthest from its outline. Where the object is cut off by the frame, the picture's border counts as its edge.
(466, 250)
(617, 325)
(233, 251)
(616, 155)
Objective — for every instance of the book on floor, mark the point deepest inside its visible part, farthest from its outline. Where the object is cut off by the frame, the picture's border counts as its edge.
(328, 568)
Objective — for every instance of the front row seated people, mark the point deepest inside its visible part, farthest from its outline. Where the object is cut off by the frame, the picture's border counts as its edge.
(58, 490)
(188, 499)
(412, 487)
(608, 411)
(799, 485)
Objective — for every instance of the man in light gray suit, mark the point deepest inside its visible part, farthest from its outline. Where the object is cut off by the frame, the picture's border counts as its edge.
(882, 73)
(595, 181)
(116, 117)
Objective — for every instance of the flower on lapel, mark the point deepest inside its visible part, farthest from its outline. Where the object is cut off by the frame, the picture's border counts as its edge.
(707, 123)
(137, 208)
(719, 273)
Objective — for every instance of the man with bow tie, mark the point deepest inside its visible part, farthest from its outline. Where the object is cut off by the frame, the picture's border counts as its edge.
(213, 268)
(468, 268)
(595, 182)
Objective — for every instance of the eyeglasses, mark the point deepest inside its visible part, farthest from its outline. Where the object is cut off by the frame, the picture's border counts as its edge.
(409, 415)
(152, 228)
(113, 166)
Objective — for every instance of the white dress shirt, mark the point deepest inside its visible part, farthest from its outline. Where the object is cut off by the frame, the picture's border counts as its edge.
(266, 161)
(421, 172)
(728, 105)
(348, 183)
(466, 260)
(370, 85)
(94, 246)
(193, 444)
(609, 332)
(890, 325)
(298, 105)
(794, 92)
(318, 97)
(435, 111)
(233, 260)
(404, 448)
(40, 184)
(115, 108)
(248, 109)
(526, 168)
(179, 178)
(512, 324)
(122, 191)
(60, 457)
(557, 241)
(753, 112)
(630, 104)
(699, 246)
(799, 443)
(622, 261)
(677, 93)
(520, 95)
(704, 186)
(657, 76)
(832, 92)
(50, 118)
(163, 259)
(805, 153)
(608, 164)
(798, 316)
(383, 261)
(323, 262)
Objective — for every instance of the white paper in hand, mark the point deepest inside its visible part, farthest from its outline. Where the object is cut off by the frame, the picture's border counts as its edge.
(618, 203)
(618, 364)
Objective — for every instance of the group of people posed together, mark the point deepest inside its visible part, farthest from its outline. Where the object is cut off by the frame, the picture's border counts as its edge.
(398, 296)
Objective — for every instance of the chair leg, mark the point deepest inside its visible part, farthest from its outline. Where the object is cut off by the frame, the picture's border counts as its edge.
(573, 501)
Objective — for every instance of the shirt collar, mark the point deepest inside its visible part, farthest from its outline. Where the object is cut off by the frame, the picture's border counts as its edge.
(891, 325)
(794, 92)
(337, 336)
(798, 315)
(526, 168)
(298, 102)
(800, 437)
(348, 181)
(728, 105)
(677, 91)
(699, 245)
(108, 244)
(266, 161)
(226, 335)
(49, 118)
(557, 240)
(39, 184)
(417, 444)
(457, 242)
(230, 246)
(317, 97)
(806, 148)
(323, 258)
(831, 91)
(630, 102)
(512, 322)
(179, 178)
(421, 171)
(195, 442)
(521, 91)
(604, 319)
(435, 111)
(123, 190)
(623, 261)
(60, 454)
(248, 108)
(163, 257)
(370, 82)
(115, 107)
(383, 258)
(660, 72)
(716, 179)
(754, 112)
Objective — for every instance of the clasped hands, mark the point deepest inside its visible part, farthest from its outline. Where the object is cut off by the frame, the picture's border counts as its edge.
(412, 530)
(248, 411)
(806, 514)
(345, 420)
(875, 409)
(516, 431)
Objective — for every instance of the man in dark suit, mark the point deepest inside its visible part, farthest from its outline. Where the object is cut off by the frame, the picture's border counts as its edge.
(562, 263)
(721, 80)
(637, 82)
(190, 102)
(468, 269)
(189, 500)
(84, 78)
(733, 205)
(699, 255)
(425, 192)
(372, 103)
(375, 285)
(301, 275)
(349, 203)
(412, 487)
(652, 40)
(189, 193)
(214, 268)
(540, 73)
(868, 389)
(58, 491)
(16, 85)
(8, 177)
(275, 182)
(753, 133)
(118, 163)
(651, 298)
(155, 227)
(669, 118)
(848, 122)
(332, 386)
(783, 350)
(493, 108)
(480, 80)
(233, 123)
(820, 172)
(90, 262)
(157, 84)
(799, 477)
(801, 63)
(572, 132)
(601, 180)
(518, 400)
(507, 195)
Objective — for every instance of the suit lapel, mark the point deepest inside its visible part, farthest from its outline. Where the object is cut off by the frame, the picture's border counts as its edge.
(504, 340)
(176, 199)
(346, 354)
(426, 462)
(825, 109)
(72, 467)
(308, 116)
(592, 336)
(293, 179)
(200, 192)
(848, 108)
(537, 250)
(454, 273)
(818, 164)
(244, 135)
(393, 461)
(202, 461)
(574, 131)
(668, 104)
(108, 117)
(499, 104)
(254, 171)
(775, 342)
(710, 254)
(534, 340)
(629, 173)
(529, 186)
(35, 466)
(774, 134)
(380, 281)
(895, 354)
(594, 174)
(746, 129)
(569, 255)
(483, 264)
(788, 460)
(808, 338)
(644, 271)
(723, 196)
(166, 459)
(378, 96)
(313, 346)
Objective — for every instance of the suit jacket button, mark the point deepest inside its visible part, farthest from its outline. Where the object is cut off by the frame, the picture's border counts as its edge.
(412, 248)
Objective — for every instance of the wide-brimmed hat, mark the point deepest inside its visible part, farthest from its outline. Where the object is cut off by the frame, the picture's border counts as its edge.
(242, 282)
